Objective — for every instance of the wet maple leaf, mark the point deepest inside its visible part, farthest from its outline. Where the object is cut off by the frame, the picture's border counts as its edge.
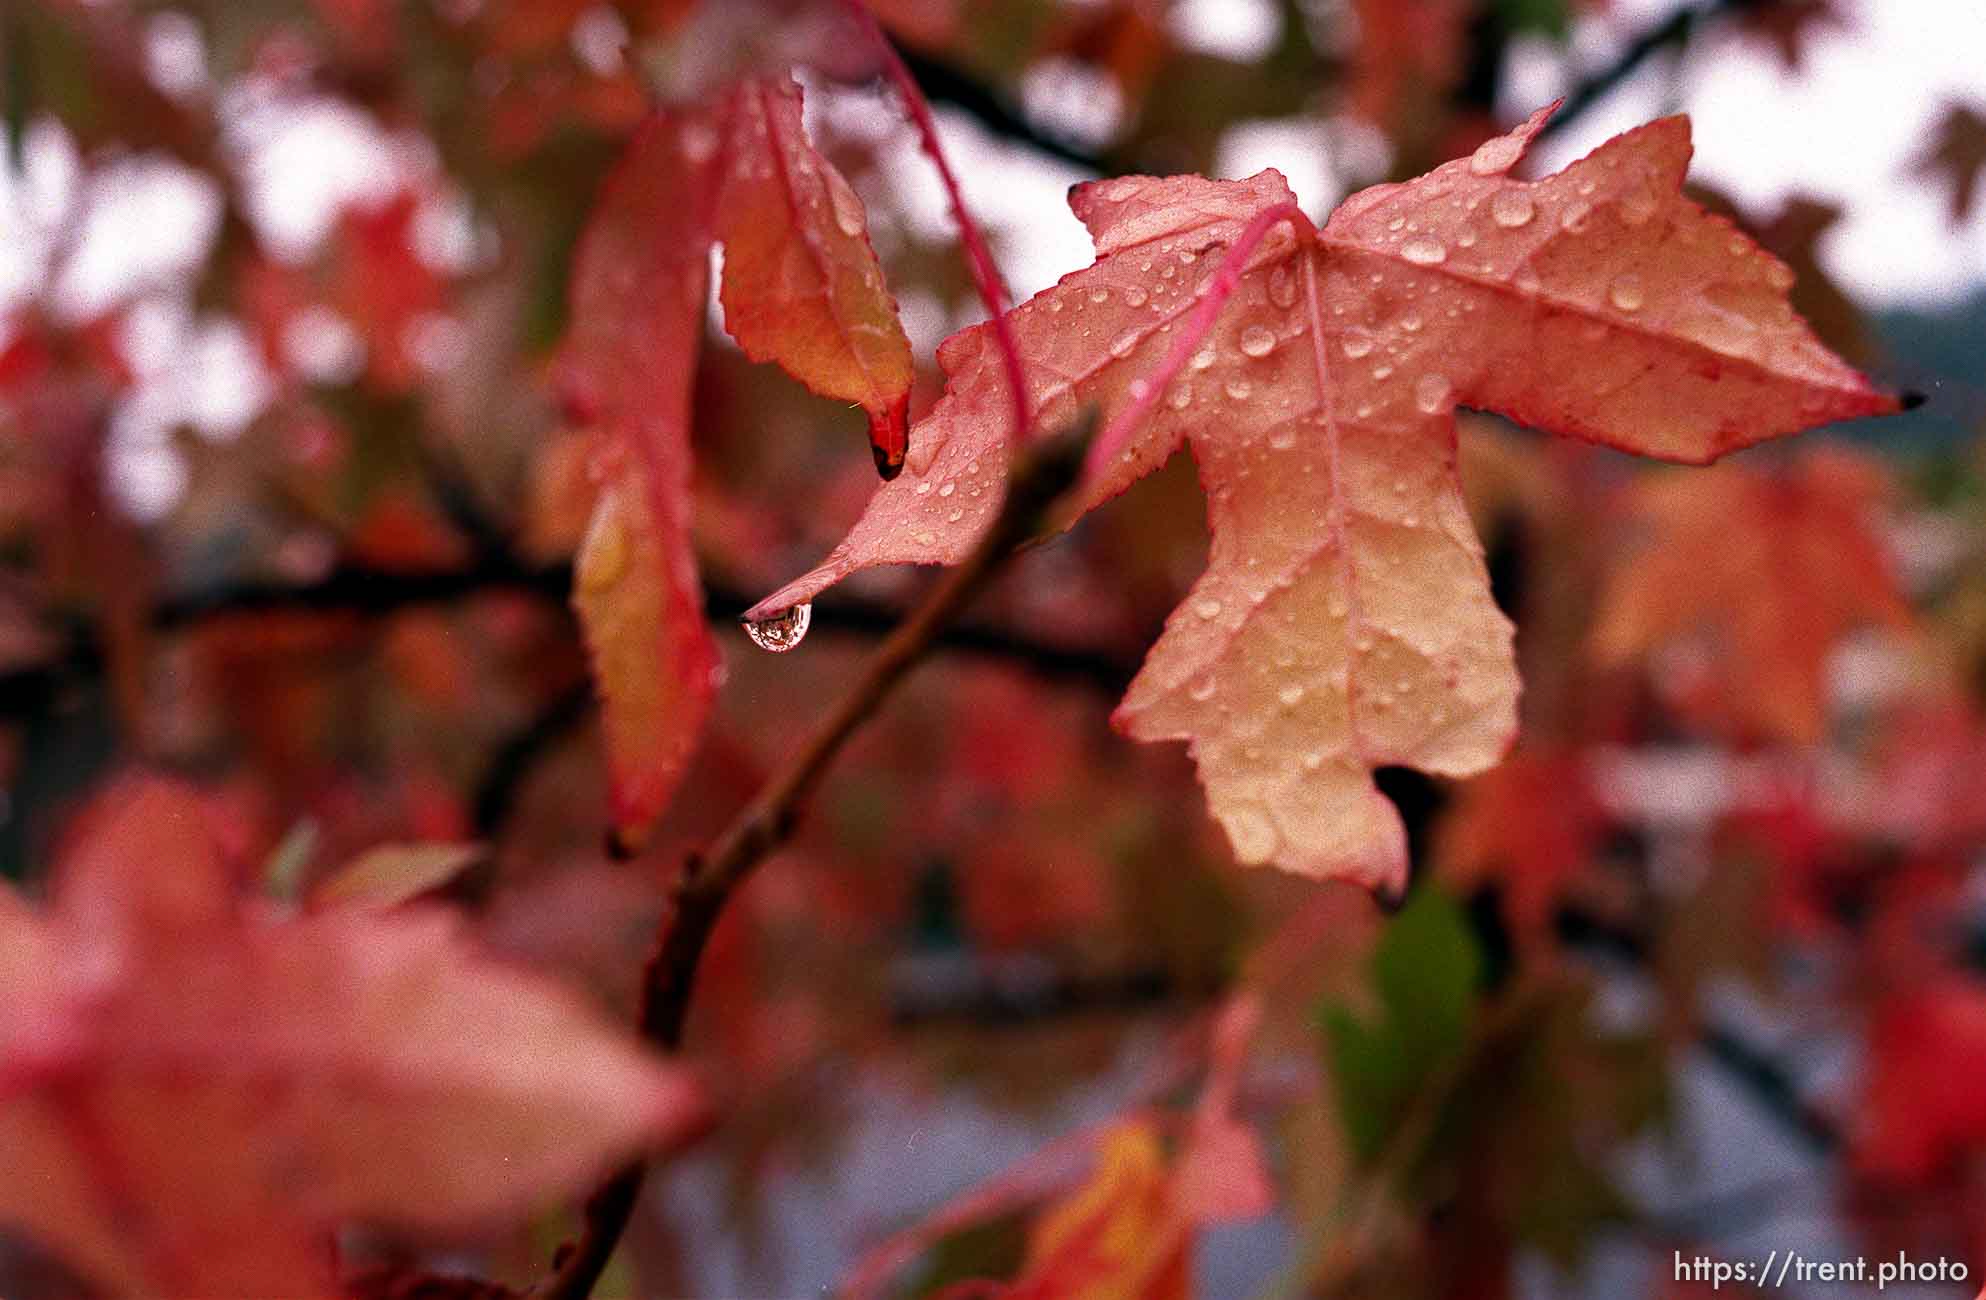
(1957, 153)
(1345, 621)
(193, 1095)
(801, 287)
(801, 284)
(1773, 567)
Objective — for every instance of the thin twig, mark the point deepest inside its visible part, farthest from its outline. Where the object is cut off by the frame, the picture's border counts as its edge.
(992, 290)
(1212, 298)
(1042, 473)
(1675, 30)
(1342, 1245)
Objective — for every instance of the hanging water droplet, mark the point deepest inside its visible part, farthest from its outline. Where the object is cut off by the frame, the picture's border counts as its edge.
(1257, 341)
(1423, 250)
(1431, 392)
(1512, 208)
(1494, 157)
(1121, 346)
(783, 631)
(1357, 343)
(1626, 292)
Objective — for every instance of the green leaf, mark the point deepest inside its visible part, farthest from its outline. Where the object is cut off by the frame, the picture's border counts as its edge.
(1545, 17)
(1426, 973)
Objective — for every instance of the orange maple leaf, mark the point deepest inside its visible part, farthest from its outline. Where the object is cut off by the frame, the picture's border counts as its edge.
(1772, 567)
(1344, 621)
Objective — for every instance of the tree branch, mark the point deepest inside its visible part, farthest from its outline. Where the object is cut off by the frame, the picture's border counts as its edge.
(1673, 31)
(1042, 472)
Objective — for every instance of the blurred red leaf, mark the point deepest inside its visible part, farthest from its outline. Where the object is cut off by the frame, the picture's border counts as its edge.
(195, 1093)
(1222, 1173)
(1774, 565)
(1532, 825)
(638, 291)
(380, 283)
(1921, 1103)
(1407, 55)
(1345, 620)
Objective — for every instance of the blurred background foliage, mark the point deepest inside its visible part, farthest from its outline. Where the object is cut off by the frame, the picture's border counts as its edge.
(286, 505)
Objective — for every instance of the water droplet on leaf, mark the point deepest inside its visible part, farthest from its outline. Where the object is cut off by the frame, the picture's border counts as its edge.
(1257, 341)
(1494, 157)
(1431, 392)
(1424, 251)
(1253, 834)
(1282, 286)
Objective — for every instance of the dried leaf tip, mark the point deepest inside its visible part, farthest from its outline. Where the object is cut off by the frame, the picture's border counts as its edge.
(889, 437)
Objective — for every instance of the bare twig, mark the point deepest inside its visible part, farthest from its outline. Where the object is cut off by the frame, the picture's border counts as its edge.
(1330, 1262)
(1672, 32)
(1043, 472)
(992, 290)
(1117, 435)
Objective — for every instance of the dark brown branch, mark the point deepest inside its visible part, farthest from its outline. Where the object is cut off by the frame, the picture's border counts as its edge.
(1672, 32)
(1042, 472)
(361, 590)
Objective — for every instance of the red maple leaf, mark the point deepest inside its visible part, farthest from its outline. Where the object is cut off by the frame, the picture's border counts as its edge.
(1344, 621)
